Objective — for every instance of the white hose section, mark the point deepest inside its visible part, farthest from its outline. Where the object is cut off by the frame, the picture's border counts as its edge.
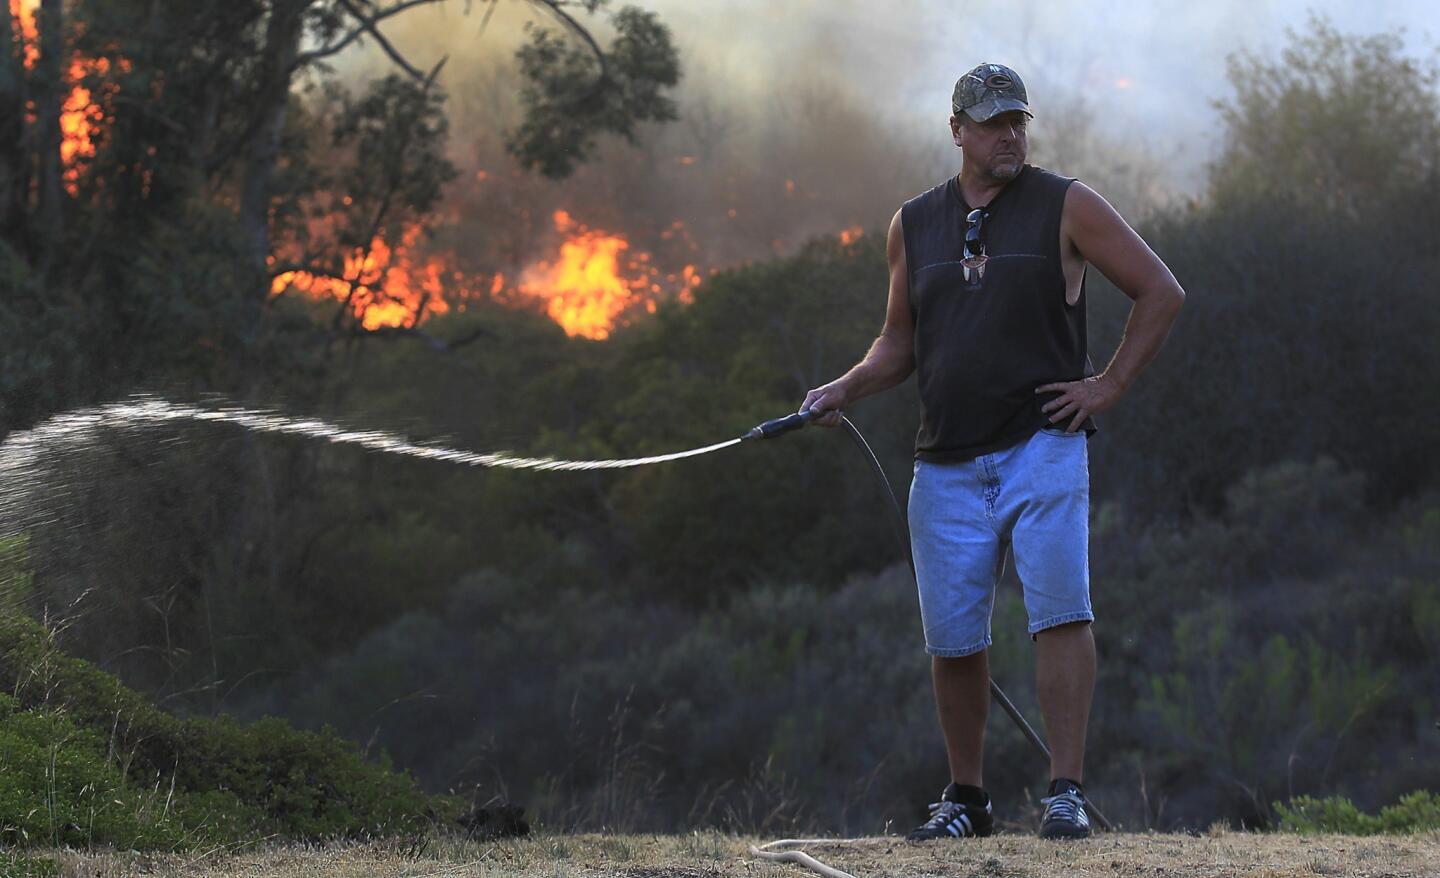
(765, 852)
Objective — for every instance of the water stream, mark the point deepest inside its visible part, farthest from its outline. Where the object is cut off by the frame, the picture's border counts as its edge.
(80, 424)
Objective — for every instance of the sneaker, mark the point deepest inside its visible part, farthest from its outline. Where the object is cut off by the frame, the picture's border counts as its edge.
(1065, 815)
(952, 819)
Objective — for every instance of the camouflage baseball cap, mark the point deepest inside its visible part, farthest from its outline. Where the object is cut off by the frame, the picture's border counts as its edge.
(988, 90)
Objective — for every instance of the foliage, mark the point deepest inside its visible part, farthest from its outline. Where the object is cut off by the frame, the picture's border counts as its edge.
(1418, 811)
(1234, 667)
(209, 168)
(709, 642)
(379, 173)
(1311, 280)
(83, 743)
(60, 788)
(397, 133)
(1335, 122)
(646, 704)
(573, 91)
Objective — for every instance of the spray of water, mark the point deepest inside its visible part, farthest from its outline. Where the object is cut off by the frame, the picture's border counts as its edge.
(65, 428)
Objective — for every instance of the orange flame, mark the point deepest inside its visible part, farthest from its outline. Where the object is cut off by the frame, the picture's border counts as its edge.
(384, 286)
(850, 235)
(594, 284)
(81, 114)
(583, 289)
(80, 120)
(23, 13)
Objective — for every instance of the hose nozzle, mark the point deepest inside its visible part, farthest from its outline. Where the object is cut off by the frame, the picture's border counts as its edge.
(781, 426)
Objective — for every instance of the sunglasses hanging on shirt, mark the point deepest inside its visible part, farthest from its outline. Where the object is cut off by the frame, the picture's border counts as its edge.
(975, 258)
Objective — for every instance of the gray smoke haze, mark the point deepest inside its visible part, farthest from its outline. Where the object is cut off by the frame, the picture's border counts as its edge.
(801, 117)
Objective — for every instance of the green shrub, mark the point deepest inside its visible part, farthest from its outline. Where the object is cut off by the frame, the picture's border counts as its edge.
(1418, 811)
(1337, 814)
(1415, 812)
(59, 788)
(89, 761)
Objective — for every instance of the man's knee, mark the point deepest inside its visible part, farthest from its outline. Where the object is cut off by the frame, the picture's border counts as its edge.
(961, 664)
(1065, 627)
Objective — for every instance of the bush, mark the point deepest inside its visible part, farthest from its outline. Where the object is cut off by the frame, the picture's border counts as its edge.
(59, 788)
(1416, 812)
(91, 761)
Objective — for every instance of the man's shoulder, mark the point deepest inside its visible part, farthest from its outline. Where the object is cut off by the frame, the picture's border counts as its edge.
(938, 192)
(1043, 178)
(1045, 173)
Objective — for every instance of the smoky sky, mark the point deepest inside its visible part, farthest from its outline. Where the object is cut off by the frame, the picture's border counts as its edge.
(1149, 71)
(800, 118)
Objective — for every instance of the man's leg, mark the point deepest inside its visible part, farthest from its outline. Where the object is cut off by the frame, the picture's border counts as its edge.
(1050, 473)
(957, 554)
(1065, 684)
(962, 695)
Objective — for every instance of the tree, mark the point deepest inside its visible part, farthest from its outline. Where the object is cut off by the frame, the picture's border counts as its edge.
(572, 93)
(152, 254)
(1313, 283)
(1337, 122)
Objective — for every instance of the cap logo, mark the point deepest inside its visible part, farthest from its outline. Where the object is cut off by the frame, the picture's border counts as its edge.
(998, 81)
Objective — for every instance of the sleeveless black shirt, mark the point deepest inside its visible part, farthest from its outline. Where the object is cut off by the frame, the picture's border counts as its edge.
(982, 346)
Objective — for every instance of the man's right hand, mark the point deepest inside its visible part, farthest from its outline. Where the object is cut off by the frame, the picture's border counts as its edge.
(829, 398)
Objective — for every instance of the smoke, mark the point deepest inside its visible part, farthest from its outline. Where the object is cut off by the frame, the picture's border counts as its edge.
(800, 119)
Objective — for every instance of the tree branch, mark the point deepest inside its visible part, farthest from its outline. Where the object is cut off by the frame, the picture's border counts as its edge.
(367, 25)
(555, 8)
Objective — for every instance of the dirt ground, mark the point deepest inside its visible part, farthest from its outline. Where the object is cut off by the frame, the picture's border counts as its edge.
(712, 855)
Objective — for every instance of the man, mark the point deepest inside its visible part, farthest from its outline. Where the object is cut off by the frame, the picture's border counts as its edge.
(987, 303)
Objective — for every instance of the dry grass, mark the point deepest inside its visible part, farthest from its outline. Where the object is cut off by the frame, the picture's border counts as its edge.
(711, 855)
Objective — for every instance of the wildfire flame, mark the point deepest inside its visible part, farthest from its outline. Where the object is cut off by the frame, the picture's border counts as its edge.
(593, 284)
(589, 288)
(22, 12)
(381, 285)
(584, 289)
(80, 119)
(81, 114)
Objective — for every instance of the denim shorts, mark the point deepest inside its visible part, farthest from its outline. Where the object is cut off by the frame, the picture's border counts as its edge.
(1034, 496)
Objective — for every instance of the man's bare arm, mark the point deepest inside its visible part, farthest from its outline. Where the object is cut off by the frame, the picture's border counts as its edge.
(1106, 241)
(891, 357)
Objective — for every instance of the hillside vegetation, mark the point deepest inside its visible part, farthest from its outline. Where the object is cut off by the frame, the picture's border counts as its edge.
(88, 762)
(732, 642)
